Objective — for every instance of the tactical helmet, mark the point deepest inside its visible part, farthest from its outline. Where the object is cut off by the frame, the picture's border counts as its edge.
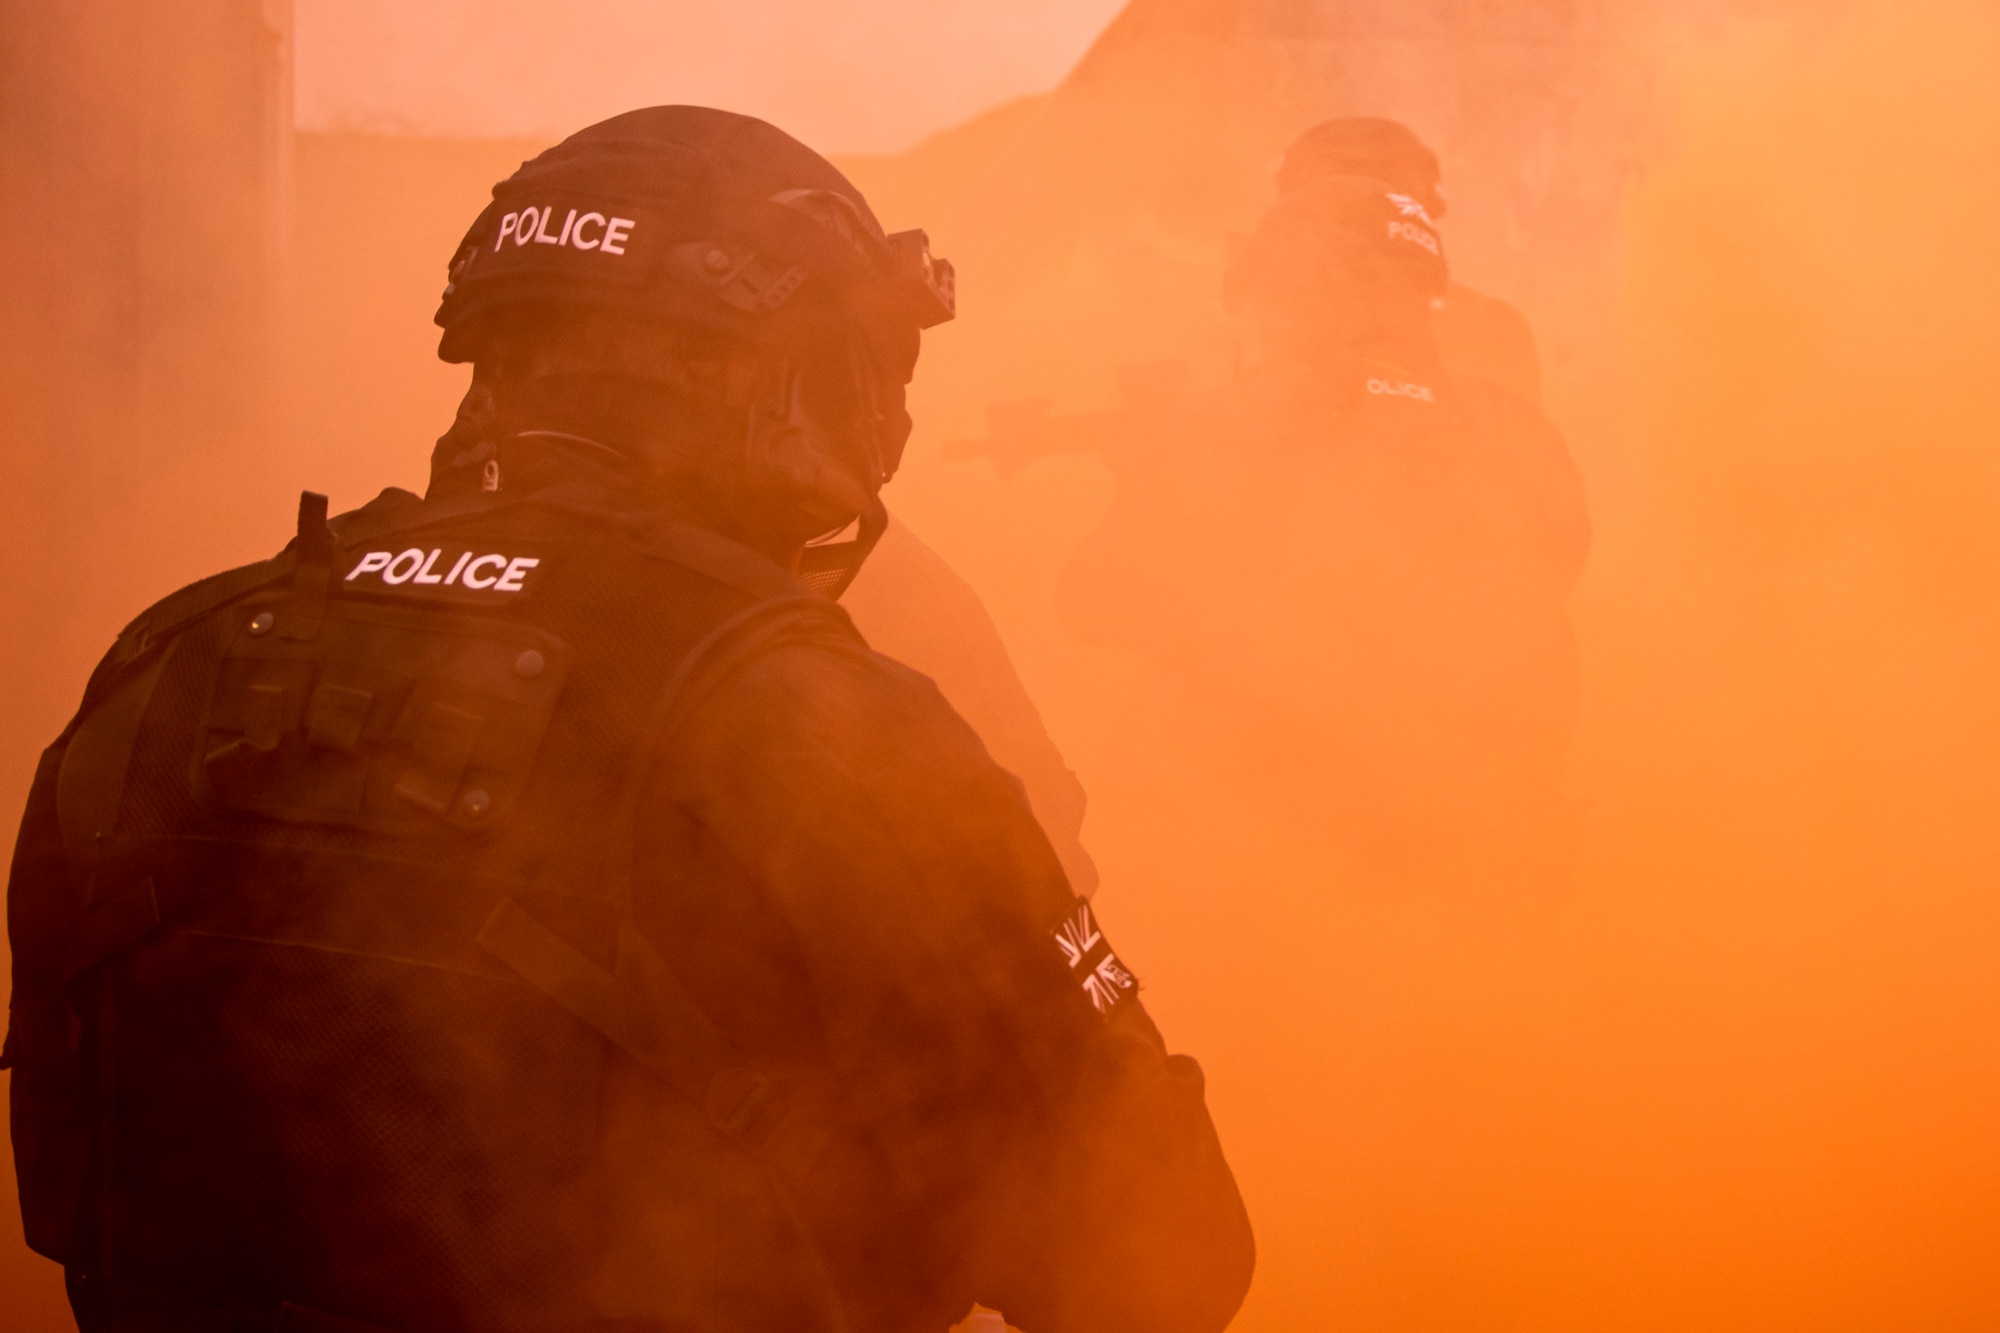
(691, 217)
(1333, 228)
(1365, 146)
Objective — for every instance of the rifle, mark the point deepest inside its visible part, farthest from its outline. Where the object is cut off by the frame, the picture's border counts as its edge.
(1023, 430)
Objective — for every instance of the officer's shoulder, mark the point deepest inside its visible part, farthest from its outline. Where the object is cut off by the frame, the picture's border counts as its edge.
(184, 605)
(181, 607)
(835, 688)
(826, 668)
(160, 622)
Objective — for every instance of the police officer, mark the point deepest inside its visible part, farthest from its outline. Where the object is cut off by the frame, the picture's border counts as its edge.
(1354, 561)
(532, 907)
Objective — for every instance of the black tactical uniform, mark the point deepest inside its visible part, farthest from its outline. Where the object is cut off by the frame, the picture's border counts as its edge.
(528, 908)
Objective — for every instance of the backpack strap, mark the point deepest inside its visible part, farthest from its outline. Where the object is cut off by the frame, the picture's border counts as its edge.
(643, 1008)
(645, 1011)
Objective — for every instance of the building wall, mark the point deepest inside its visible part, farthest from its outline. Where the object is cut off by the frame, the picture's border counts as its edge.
(145, 147)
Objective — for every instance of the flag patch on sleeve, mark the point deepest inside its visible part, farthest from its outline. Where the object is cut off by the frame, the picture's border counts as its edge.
(1091, 961)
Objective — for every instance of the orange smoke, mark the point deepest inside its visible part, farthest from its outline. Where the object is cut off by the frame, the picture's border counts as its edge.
(1791, 736)
(1741, 1072)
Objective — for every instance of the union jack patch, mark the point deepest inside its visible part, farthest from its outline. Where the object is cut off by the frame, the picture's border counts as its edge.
(1103, 978)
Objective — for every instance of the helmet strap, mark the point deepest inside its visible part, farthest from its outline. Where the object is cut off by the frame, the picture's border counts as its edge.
(829, 565)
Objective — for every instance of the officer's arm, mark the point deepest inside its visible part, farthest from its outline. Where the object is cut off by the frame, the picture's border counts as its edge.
(1065, 1165)
(49, 1091)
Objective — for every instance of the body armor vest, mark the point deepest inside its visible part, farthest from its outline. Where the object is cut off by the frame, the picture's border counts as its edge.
(347, 838)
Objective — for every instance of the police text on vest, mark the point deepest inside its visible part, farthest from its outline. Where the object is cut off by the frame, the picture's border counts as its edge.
(421, 568)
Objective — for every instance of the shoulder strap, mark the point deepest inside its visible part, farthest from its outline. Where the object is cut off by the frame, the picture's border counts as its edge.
(745, 636)
(644, 1009)
(307, 560)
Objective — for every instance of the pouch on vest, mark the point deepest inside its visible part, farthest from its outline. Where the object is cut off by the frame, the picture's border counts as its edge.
(387, 721)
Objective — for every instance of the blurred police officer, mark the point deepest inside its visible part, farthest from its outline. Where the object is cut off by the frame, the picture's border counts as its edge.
(531, 906)
(1357, 560)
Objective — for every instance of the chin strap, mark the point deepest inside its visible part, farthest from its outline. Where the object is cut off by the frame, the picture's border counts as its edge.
(828, 567)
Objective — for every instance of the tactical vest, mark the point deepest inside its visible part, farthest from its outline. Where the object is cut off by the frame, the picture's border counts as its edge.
(347, 837)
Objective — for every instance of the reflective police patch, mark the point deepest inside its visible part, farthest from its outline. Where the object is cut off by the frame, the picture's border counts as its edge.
(573, 236)
(1401, 388)
(468, 575)
(583, 230)
(1384, 380)
(1411, 208)
(1103, 978)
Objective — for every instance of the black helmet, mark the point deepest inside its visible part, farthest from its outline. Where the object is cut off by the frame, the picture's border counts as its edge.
(689, 216)
(1331, 227)
(686, 213)
(1365, 146)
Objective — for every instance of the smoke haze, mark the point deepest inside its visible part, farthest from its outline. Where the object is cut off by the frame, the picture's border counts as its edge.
(866, 76)
(1738, 1070)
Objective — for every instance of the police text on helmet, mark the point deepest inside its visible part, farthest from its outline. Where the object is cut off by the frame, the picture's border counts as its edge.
(591, 231)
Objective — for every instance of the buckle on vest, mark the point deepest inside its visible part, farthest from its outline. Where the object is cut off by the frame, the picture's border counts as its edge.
(741, 1100)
